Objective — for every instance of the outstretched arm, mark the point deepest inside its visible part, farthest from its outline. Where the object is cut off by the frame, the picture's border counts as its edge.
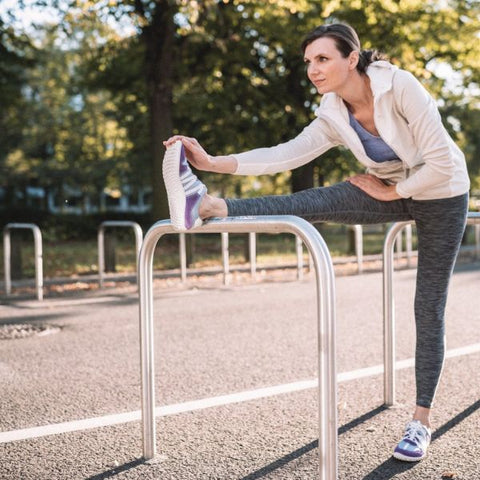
(200, 159)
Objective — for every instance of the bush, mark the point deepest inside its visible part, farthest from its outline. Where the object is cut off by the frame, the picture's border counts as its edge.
(64, 227)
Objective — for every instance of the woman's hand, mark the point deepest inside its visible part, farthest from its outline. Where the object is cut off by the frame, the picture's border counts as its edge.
(195, 153)
(200, 159)
(374, 187)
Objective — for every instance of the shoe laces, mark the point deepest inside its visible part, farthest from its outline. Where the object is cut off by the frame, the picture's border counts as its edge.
(416, 432)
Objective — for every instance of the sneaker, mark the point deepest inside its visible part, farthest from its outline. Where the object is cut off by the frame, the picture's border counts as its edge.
(184, 190)
(413, 446)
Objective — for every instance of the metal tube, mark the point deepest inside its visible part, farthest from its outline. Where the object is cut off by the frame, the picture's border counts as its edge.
(7, 252)
(183, 256)
(477, 241)
(359, 247)
(37, 238)
(327, 377)
(101, 254)
(408, 244)
(299, 250)
(137, 230)
(225, 258)
(389, 314)
(252, 250)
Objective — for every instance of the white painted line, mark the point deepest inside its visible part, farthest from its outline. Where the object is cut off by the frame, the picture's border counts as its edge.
(115, 419)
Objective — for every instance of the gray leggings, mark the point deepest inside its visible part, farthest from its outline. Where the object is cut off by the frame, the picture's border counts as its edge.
(440, 226)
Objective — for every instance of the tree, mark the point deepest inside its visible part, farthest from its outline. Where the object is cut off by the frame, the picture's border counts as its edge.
(230, 73)
(16, 58)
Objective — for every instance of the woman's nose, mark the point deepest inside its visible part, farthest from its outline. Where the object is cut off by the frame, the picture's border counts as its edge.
(313, 70)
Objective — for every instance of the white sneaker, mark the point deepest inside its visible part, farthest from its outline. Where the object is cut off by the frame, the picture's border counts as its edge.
(413, 446)
(184, 190)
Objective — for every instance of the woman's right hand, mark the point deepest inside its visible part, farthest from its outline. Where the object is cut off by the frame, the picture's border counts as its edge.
(195, 153)
(200, 159)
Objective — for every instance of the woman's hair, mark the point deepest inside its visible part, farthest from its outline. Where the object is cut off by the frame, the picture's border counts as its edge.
(346, 40)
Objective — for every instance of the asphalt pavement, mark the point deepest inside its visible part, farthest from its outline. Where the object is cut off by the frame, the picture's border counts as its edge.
(70, 382)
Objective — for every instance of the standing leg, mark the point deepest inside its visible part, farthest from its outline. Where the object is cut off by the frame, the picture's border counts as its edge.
(440, 228)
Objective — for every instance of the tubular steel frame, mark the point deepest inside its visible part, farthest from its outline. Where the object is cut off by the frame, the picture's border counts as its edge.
(327, 379)
(37, 237)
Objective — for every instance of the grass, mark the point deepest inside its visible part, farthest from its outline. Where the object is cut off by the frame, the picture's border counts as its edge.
(77, 258)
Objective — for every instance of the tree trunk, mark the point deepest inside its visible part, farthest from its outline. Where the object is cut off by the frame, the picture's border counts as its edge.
(159, 38)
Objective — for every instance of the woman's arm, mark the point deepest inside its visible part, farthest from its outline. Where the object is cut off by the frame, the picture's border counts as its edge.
(310, 143)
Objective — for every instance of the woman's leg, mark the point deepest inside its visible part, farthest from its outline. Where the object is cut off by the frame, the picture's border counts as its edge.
(340, 203)
(440, 227)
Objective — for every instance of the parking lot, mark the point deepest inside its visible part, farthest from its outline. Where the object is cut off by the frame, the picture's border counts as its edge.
(235, 382)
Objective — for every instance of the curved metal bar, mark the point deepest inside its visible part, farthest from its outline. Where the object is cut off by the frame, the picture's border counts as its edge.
(137, 230)
(327, 391)
(389, 314)
(38, 252)
(389, 306)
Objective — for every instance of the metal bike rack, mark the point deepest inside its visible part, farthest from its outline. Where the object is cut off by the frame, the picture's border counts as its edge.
(327, 390)
(37, 237)
(389, 308)
(137, 230)
(252, 249)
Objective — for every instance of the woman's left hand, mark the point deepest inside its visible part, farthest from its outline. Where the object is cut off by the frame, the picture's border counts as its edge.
(374, 187)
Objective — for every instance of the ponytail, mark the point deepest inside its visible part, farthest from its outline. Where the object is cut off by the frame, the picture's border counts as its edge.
(366, 57)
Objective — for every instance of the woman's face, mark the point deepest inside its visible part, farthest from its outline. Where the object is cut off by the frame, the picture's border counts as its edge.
(327, 69)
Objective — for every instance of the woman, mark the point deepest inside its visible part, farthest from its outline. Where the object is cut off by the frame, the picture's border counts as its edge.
(414, 172)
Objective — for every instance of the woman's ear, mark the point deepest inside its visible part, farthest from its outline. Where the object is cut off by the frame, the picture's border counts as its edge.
(353, 59)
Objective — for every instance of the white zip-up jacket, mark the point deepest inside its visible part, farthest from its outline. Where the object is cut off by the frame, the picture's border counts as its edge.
(431, 165)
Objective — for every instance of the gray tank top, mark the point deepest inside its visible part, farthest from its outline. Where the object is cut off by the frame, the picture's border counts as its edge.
(374, 146)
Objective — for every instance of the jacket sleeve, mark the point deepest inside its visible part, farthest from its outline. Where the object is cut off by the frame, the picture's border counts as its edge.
(430, 136)
(308, 145)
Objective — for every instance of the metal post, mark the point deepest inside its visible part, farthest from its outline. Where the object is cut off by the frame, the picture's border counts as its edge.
(37, 238)
(389, 314)
(252, 253)
(299, 250)
(408, 244)
(327, 442)
(225, 258)
(137, 230)
(359, 246)
(389, 307)
(477, 241)
(183, 256)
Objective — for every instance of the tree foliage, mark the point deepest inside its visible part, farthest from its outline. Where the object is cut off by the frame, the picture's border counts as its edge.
(116, 77)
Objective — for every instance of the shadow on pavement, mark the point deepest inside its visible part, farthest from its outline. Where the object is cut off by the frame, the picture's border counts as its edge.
(455, 420)
(32, 319)
(120, 469)
(281, 462)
